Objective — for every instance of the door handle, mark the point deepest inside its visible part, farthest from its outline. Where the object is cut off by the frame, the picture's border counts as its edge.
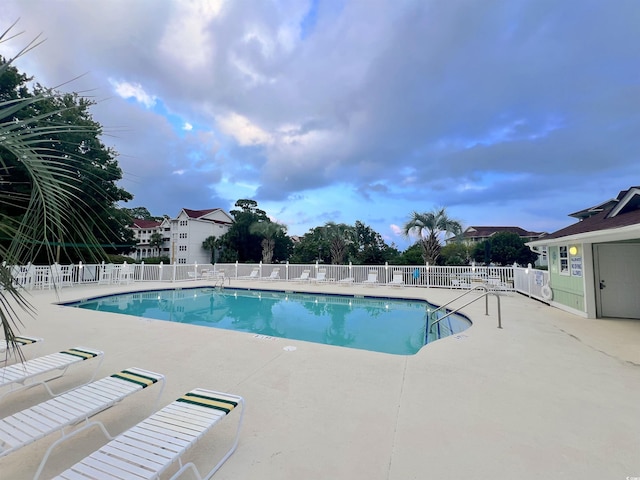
(602, 285)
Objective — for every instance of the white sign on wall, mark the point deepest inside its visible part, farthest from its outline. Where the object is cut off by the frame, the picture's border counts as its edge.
(576, 266)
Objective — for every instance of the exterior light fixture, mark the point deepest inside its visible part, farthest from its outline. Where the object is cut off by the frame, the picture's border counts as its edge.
(573, 250)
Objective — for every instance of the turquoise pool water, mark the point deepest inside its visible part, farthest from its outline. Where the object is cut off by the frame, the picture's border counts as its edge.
(369, 323)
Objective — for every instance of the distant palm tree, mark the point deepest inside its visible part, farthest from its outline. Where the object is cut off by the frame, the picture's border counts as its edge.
(269, 231)
(210, 244)
(339, 236)
(429, 227)
(156, 241)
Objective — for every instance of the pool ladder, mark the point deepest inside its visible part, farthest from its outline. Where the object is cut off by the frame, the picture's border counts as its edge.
(485, 295)
(219, 283)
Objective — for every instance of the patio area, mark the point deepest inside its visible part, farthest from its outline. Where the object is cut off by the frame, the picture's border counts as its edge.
(550, 395)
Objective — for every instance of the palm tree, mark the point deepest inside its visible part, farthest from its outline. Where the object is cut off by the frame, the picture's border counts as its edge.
(269, 231)
(210, 244)
(429, 227)
(156, 241)
(339, 237)
(46, 215)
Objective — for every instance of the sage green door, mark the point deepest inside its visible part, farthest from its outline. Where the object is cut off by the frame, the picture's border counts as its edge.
(618, 280)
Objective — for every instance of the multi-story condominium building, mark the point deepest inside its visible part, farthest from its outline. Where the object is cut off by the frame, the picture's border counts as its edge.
(182, 236)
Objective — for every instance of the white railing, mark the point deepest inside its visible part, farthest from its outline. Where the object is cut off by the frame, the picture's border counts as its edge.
(528, 281)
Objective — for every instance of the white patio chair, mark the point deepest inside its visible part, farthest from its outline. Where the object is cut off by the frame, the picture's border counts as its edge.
(8, 355)
(275, 274)
(61, 276)
(398, 280)
(372, 278)
(322, 275)
(150, 447)
(39, 371)
(126, 274)
(255, 274)
(304, 276)
(105, 274)
(56, 415)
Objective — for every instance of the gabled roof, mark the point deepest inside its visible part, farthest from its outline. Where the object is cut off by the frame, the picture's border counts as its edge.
(198, 213)
(203, 215)
(623, 211)
(140, 223)
(486, 232)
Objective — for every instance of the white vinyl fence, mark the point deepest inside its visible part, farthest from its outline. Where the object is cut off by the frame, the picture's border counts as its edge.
(527, 281)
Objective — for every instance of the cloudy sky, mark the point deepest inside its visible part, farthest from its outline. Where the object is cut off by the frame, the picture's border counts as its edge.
(506, 112)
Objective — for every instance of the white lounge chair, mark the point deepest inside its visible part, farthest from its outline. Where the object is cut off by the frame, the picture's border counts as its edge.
(125, 275)
(38, 371)
(304, 276)
(372, 278)
(149, 448)
(321, 276)
(9, 354)
(346, 281)
(255, 274)
(275, 274)
(398, 280)
(23, 276)
(105, 274)
(61, 275)
(71, 408)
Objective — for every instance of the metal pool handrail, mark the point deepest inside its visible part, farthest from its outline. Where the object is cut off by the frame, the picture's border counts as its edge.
(486, 297)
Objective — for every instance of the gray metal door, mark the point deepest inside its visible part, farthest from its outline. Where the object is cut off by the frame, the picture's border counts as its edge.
(618, 280)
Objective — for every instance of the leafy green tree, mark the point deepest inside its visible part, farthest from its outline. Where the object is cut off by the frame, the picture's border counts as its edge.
(243, 244)
(313, 246)
(455, 253)
(369, 247)
(239, 238)
(504, 248)
(429, 227)
(142, 213)
(69, 139)
(412, 255)
(42, 188)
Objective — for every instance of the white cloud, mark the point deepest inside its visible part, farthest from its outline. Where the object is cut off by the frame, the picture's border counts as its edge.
(243, 130)
(186, 38)
(128, 90)
(397, 231)
(187, 126)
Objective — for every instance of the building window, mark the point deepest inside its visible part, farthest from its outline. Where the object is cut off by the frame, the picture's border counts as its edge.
(182, 260)
(183, 235)
(183, 223)
(182, 248)
(564, 260)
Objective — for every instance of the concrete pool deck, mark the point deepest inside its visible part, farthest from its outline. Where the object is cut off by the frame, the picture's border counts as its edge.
(549, 396)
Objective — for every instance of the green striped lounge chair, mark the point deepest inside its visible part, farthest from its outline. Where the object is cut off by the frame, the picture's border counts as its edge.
(10, 354)
(59, 414)
(149, 448)
(42, 370)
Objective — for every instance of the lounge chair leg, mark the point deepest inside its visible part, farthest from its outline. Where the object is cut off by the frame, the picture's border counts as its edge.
(66, 437)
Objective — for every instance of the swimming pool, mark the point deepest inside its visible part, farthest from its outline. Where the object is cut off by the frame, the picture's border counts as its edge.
(371, 323)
